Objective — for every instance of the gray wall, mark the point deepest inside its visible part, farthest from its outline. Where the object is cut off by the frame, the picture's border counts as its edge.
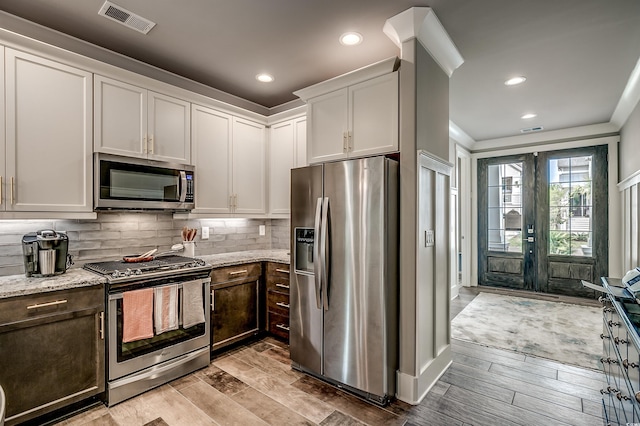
(113, 235)
(629, 145)
(432, 106)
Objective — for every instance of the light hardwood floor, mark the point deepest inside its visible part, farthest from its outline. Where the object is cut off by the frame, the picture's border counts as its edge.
(254, 385)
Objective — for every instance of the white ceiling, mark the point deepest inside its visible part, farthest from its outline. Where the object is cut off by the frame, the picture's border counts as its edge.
(577, 54)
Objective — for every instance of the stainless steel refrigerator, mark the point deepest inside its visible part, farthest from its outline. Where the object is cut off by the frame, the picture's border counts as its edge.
(344, 275)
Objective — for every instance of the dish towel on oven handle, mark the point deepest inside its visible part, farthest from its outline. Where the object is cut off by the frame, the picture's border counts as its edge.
(192, 309)
(137, 315)
(166, 308)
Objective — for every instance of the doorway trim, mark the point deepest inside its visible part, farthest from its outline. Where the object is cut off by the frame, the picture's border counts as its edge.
(461, 250)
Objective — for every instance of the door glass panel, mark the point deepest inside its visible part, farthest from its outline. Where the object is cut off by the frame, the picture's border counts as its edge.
(570, 206)
(504, 206)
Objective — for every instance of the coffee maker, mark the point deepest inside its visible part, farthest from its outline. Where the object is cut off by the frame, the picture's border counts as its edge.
(46, 253)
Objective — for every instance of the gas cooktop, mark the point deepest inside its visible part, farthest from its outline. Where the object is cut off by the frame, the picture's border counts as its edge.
(119, 271)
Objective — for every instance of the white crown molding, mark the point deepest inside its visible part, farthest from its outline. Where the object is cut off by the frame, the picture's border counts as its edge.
(368, 72)
(460, 136)
(629, 99)
(300, 111)
(548, 136)
(423, 24)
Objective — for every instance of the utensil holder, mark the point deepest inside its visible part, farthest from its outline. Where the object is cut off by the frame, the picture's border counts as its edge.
(189, 248)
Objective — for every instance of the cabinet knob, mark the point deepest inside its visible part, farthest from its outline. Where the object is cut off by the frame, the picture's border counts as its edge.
(607, 309)
(618, 341)
(608, 360)
(627, 364)
(602, 336)
(620, 397)
(613, 323)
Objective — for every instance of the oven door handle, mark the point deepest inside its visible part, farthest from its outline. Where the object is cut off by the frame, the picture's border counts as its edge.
(118, 295)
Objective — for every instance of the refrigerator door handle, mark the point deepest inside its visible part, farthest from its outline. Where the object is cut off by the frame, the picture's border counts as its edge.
(317, 260)
(325, 256)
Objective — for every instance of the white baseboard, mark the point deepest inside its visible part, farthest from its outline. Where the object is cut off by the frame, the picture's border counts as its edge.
(412, 389)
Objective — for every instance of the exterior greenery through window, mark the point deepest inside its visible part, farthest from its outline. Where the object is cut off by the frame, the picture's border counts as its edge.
(570, 206)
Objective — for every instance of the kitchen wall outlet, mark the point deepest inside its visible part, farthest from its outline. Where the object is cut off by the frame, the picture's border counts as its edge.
(205, 233)
(262, 230)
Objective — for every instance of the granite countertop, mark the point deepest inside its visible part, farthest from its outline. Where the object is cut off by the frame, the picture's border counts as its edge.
(240, 257)
(20, 285)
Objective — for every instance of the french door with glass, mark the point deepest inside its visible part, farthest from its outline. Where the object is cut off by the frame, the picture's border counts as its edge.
(543, 220)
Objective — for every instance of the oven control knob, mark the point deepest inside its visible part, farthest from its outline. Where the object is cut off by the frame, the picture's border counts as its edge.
(116, 274)
(138, 272)
(127, 272)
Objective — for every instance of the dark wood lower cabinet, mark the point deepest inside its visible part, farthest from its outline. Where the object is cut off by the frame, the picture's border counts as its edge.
(51, 351)
(277, 284)
(235, 304)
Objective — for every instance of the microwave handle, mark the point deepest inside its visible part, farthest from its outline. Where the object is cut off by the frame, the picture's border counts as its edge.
(183, 186)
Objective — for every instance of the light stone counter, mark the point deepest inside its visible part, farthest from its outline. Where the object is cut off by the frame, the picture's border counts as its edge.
(20, 285)
(240, 257)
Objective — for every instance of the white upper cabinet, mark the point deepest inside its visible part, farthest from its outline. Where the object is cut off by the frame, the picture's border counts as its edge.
(373, 116)
(287, 149)
(211, 132)
(328, 127)
(354, 115)
(136, 122)
(229, 153)
(47, 157)
(249, 168)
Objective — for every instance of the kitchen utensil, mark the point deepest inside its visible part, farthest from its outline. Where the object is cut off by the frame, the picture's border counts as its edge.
(144, 257)
(137, 259)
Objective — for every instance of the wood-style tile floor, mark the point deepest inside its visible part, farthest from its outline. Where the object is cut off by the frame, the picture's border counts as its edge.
(254, 385)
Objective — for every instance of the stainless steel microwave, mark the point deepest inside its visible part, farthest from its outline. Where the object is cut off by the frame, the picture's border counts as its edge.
(140, 184)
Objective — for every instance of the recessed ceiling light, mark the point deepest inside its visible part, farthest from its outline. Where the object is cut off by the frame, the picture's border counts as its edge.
(264, 78)
(530, 115)
(351, 38)
(515, 80)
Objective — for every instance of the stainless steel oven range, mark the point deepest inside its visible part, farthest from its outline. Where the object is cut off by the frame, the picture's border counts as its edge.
(142, 351)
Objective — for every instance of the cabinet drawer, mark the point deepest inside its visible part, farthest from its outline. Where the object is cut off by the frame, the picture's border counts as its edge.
(278, 270)
(15, 309)
(278, 284)
(279, 325)
(235, 273)
(278, 303)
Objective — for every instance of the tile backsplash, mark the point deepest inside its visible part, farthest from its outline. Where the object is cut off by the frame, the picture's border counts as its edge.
(115, 234)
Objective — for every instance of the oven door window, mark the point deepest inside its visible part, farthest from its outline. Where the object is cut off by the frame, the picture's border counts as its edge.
(130, 350)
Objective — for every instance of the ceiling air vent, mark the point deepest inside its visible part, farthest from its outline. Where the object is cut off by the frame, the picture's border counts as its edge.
(126, 18)
(532, 129)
